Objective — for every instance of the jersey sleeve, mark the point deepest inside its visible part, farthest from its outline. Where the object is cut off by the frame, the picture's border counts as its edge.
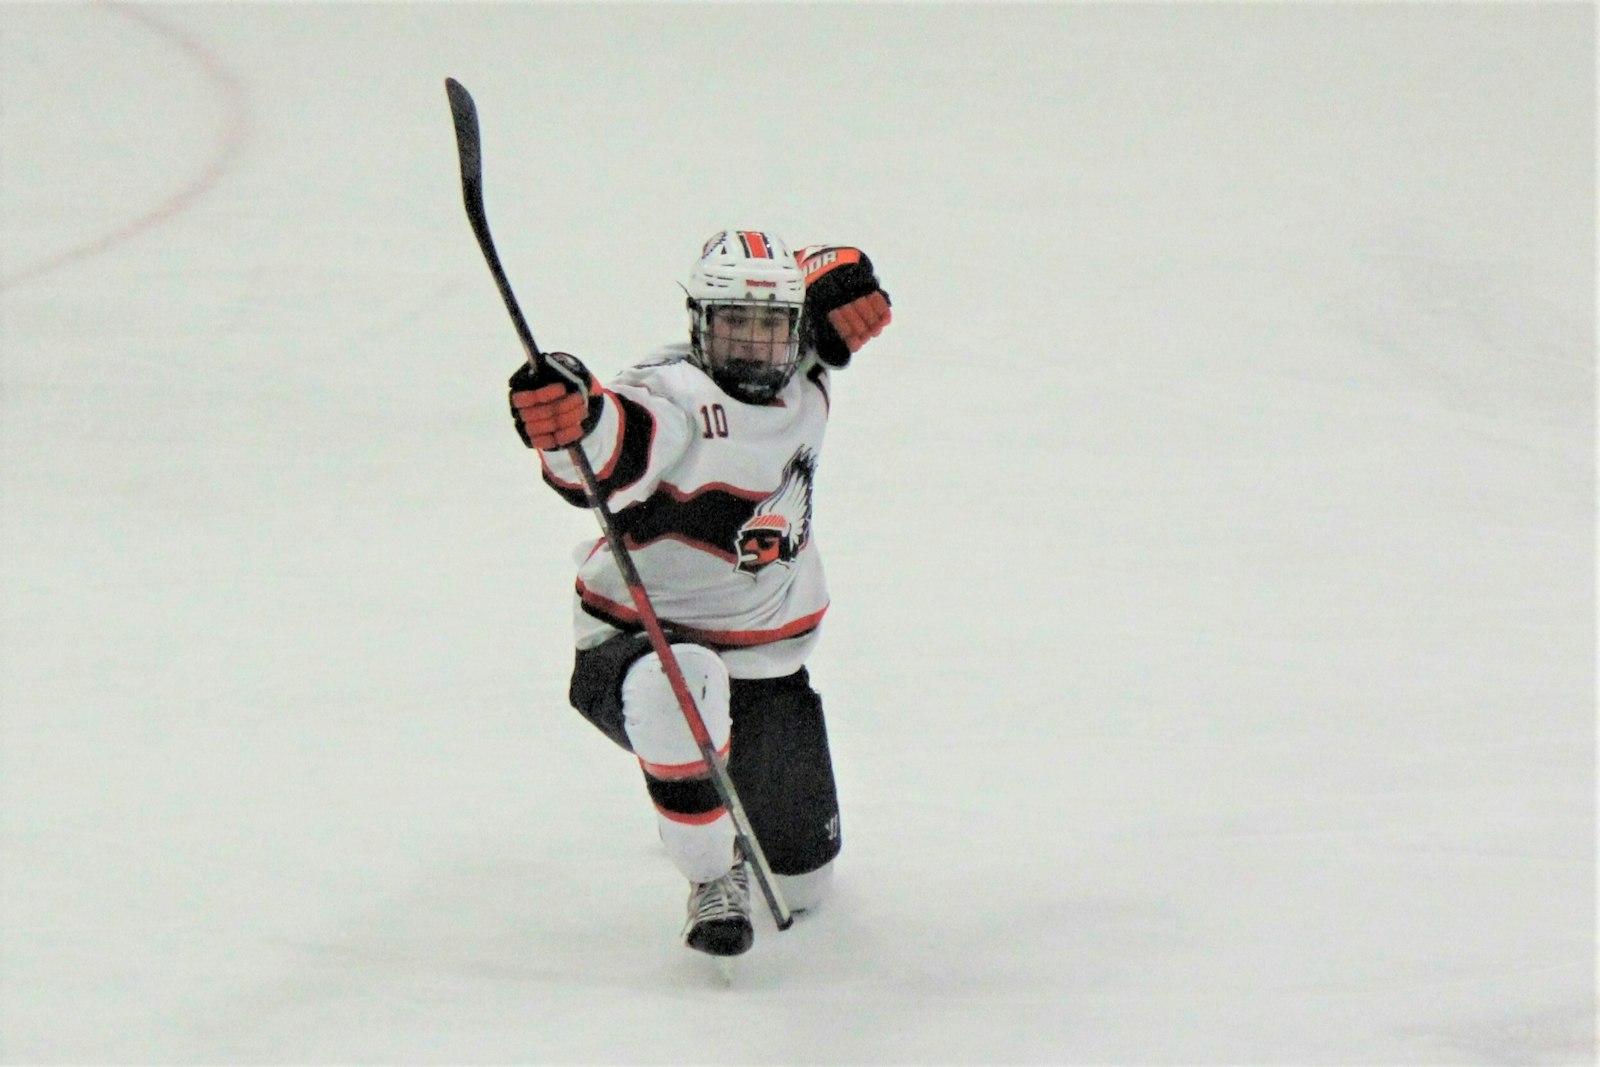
(640, 435)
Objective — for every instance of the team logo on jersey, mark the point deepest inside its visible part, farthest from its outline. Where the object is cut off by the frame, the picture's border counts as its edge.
(781, 525)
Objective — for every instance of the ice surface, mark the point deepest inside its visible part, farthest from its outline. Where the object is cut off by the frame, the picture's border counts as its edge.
(1211, 667)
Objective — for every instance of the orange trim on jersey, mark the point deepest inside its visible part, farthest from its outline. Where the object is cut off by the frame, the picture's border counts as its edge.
(629, 617)
(604, 470)
(554, 477)
(635, 545)
(610, 465)
(683, 496)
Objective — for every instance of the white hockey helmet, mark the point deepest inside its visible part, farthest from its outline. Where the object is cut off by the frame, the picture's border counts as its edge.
(746, 293)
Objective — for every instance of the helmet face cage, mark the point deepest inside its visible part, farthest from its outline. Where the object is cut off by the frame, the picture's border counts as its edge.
(749, 347)
(746, 293)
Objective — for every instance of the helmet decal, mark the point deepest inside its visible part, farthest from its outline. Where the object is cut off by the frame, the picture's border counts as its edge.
(755, 244)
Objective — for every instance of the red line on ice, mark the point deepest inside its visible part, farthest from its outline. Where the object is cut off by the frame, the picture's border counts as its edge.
(235, 130)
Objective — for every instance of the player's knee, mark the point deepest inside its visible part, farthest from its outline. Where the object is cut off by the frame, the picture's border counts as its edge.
(653, 718)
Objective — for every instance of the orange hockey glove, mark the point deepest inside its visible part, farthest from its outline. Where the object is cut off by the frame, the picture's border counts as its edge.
(845, 305)
(862, 319)
(558, 404)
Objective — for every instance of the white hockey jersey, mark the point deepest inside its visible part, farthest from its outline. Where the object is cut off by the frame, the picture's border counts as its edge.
(713, 498)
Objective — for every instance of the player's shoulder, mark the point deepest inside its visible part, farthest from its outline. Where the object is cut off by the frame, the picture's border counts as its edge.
(667, 373)
(662, 363)
(664, 356)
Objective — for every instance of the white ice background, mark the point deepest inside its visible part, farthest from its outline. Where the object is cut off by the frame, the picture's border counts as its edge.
(1211, 664)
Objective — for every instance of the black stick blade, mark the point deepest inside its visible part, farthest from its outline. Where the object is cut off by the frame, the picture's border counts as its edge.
(470, 151)
(468, 145)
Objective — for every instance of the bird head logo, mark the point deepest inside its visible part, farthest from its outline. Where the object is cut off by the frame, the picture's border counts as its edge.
(781, 524)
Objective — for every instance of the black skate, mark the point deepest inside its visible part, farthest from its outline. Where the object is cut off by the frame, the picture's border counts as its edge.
(719, 915)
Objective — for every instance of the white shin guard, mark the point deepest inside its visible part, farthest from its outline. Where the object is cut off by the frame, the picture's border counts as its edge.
(700, 843)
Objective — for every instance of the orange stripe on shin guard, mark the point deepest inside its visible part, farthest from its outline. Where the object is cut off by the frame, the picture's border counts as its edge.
(675, 772)
(690, 800)
(705, 818)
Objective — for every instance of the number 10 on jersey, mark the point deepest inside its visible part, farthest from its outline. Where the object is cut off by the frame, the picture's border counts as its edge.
(713, 421)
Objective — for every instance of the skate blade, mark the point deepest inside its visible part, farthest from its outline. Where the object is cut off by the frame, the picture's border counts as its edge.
(725, 971)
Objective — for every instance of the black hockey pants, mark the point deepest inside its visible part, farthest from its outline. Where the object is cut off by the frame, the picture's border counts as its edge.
(778, 760)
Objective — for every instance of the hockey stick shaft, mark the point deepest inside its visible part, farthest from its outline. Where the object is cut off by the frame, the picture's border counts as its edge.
(469, 148)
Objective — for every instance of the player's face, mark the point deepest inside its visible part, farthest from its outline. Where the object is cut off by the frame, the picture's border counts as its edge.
(742, 333)
(751, 349)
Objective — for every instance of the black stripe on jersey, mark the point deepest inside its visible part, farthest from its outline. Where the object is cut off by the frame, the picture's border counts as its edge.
(708, 520)
(627, 626)
(816, 375)
(632, 457)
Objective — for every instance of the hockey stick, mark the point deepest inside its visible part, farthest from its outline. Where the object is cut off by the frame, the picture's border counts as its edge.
(469, 148)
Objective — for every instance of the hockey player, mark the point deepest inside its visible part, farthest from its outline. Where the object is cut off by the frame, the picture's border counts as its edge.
(706, 453)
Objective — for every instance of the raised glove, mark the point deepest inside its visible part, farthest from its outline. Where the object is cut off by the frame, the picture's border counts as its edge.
(845, 305)
(555, 405)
